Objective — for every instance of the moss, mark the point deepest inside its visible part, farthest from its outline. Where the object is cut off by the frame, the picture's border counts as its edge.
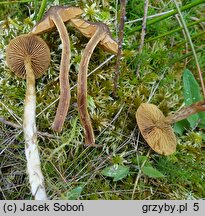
(66, 163)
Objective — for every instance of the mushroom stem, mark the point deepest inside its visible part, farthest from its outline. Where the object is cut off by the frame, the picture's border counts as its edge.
(36, 178)
(185, 112)
(82, 85)
(64, 74)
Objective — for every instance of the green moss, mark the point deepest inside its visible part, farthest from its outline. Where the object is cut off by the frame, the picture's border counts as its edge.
(66, 163)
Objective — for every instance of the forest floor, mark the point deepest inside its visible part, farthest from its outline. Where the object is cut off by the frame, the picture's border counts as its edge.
(161, 67)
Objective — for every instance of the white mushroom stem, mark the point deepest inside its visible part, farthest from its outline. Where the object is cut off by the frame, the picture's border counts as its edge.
(36, 178)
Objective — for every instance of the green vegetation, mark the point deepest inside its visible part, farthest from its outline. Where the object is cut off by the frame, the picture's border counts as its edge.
(122, 167)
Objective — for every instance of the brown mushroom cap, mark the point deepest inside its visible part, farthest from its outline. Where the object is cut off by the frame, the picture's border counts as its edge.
(88, 29)
(28, 45)
(159, 135)
(65, 12)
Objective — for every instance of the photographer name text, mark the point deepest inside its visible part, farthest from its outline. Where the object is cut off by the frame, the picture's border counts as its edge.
(45, 207)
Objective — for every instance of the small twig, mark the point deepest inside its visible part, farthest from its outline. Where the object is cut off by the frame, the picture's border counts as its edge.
(167, 15)
(4, 121)
(139, 174)
(17, 126)
(120, 41)
(9, 141)
(192, 47)
(63, 178)
(16, 117)
(143, 33)
(149, 17)
(154, 88)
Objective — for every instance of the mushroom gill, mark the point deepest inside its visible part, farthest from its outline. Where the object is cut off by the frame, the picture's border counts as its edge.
(156, 128)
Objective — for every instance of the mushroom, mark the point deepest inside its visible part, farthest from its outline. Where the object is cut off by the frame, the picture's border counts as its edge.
(156, 128)
(56, 16)
(88, 29)
(98, 33)
(28, 56)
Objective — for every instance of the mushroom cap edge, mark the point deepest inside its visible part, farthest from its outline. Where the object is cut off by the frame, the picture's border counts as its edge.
(161, 139)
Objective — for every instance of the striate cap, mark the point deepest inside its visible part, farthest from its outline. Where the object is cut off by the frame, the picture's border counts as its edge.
(25, 46)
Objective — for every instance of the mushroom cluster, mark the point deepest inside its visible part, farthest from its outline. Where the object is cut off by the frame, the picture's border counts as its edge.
(156, 128)
(28, 56)
(55, 17)
(98, 34)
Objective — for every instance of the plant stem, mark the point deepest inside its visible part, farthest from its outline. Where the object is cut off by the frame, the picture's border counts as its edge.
(143, 33)
(120, 41)
(15, 2)
(148, 17)
(173, 31)
(36, 178)
(151, 22)
(192, 47)
(82, 85)
(41, 10)
(17, 126)
(64, 101)
(139, 174)
(185, 112)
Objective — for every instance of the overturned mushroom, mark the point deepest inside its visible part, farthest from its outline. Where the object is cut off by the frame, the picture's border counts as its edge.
(56, 16)
(88, 29)
(156, 128)
(99, 33)
(28, 56)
